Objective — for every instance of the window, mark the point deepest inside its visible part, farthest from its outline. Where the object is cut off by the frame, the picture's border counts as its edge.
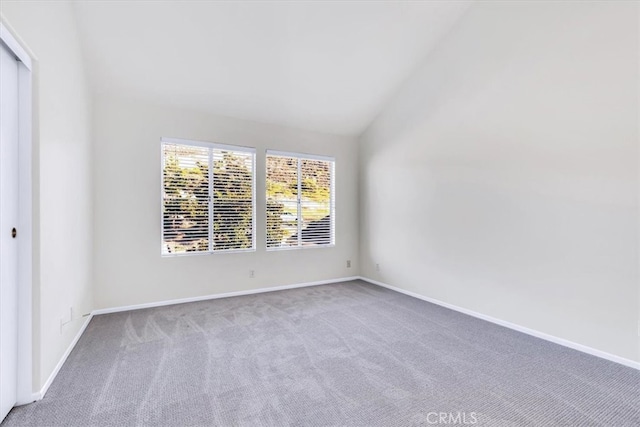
(208, 202)
(300, 200)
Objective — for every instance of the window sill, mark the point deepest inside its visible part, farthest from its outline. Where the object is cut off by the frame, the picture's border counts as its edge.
(303, 247)
(188, 254)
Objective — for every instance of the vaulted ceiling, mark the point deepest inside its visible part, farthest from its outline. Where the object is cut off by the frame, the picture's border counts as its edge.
(324, 66)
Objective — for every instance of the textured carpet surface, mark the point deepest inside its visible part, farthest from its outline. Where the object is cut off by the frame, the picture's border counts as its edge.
(332, 355)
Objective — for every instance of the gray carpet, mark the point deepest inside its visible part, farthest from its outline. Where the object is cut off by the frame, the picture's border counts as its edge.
(344, 354)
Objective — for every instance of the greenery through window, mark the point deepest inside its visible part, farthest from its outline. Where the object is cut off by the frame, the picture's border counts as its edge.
(300, 201)
(208, 199)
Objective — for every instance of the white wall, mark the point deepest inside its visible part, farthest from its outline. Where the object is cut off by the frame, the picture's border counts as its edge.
(128, 267)
(503, 178)
(62, 176)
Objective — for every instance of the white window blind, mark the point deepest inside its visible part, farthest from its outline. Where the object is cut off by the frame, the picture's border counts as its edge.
(208, 202)
(300, 200)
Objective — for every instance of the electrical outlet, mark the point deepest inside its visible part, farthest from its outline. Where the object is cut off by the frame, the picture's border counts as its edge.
(348, 263)
(377, 267)
(252, 274)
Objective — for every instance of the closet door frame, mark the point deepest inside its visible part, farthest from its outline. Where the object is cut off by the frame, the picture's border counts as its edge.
(24, 393)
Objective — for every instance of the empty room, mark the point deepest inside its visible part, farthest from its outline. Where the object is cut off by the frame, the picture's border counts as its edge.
(319, 213)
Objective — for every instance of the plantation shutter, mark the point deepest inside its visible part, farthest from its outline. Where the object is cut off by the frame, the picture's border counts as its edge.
(232, 199)
(185, 198)
(300, 200)
(316, 202)
(208, 202)
(282, 201)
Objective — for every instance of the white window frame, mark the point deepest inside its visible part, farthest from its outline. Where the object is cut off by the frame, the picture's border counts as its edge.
(332, 202)
(214, 145)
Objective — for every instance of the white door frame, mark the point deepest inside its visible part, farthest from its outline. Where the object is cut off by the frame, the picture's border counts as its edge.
(25, 392)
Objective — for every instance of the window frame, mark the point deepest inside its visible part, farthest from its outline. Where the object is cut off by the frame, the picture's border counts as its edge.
(210, 146)
(332, 198)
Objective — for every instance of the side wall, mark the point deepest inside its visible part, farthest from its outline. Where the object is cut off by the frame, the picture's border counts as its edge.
(503, 178)
(127, 262)
(62, 177)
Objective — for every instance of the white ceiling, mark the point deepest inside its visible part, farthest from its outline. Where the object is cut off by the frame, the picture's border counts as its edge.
(325, 66)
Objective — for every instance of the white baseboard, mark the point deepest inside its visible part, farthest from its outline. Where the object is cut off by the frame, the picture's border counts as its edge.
(217, 296)
(528, 331)
(39, 395)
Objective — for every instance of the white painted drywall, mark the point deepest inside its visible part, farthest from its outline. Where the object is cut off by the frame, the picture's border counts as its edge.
(62, 177)
(317, 65)
(503, 177)
(128, 267)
